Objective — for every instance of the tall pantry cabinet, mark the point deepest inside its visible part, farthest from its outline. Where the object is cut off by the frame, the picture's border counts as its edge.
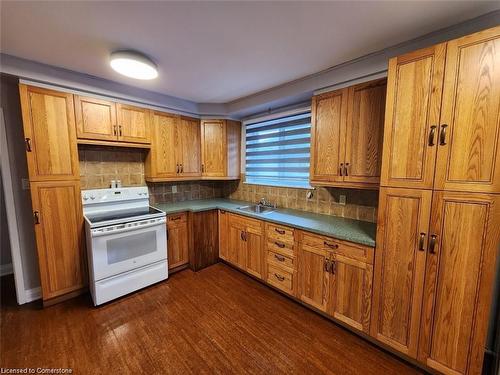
(438, 233)
(50, 140)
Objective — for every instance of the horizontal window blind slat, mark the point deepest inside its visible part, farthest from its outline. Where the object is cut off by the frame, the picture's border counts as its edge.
(285, 133)
(290, 151)
(251, 162)
(302, 123)
(280, 143)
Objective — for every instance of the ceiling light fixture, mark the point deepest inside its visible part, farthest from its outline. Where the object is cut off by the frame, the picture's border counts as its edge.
(133, 64)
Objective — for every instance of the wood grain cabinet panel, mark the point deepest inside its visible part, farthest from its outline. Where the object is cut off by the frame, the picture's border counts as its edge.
(220, 149)
(237, 254)
(95, 118)
(59, 236)
(133, 123)
(459, 280)
(224, 235)
(469, 137)
(364, 132)
(189, 139)
(329, 116)
(203, 239)
(49, 128)
(414, 90)
(178, 240)
(402, 233)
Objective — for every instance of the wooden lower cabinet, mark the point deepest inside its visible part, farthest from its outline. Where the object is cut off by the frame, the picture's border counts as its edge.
(224, 235)
(203, 239)
(59, 237)
(178, 240)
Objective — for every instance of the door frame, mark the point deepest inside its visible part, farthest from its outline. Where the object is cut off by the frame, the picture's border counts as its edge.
(10, 208)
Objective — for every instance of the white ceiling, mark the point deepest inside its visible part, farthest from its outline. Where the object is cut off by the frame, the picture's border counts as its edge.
(216, 52)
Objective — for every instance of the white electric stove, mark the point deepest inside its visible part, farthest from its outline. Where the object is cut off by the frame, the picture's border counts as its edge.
(126, 241)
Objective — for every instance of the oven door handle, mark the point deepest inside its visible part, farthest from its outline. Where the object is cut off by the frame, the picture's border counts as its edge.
(129, 229)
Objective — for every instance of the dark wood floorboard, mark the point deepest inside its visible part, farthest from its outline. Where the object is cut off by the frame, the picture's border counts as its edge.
(217, 320)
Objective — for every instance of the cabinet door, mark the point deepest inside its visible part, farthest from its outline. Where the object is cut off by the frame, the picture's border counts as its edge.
(214, 148)
(364, 132)
(224, 235)
(237, 245)
(133, 123)
(162, 158)
(414, 89)
(49, 128)
(178, 240)
(459, 279)
(351, 292)
(469, 139)
(58, 231)
(402, 231)
(255, 251)
(313, 277)
(329, 116)
(189, 138)
(95, 119)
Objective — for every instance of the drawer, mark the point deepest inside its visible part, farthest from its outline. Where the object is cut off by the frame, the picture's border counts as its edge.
(280, 260)
(280, 247)
(251, 225)
(280, 279)
(177, 218)
(280, 233)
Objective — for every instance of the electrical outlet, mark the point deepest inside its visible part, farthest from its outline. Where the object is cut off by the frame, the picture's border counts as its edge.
(174, 189)
(25, 183)
(342, 200)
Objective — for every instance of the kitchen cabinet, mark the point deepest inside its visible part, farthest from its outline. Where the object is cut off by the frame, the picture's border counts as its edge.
(177, 241)
(203, 239)
(281, 259)
(50, 136)
(246, 238)
(346, 136)
(133, 123)
(221, 144)
(442, 130)
(224, 235)
(95, 118)
(175, 148)
(57, 205)
(402, 235)
(459, 279)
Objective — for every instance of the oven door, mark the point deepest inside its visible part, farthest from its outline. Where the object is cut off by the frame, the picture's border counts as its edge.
(124, 247)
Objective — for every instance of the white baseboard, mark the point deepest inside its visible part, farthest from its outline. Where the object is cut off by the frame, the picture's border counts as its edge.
(33, 294)
(6, 269)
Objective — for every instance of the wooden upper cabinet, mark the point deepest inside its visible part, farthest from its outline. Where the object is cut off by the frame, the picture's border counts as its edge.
(364, 132)
(178, 240)
(133, 123)
(459, 281)
(469, 134)
(220, 148)
(161, 161)
(95, 119)
(414, 90)
(328, 119)
(402, 233)
(49, 128)
(57, 205)
(189, 144)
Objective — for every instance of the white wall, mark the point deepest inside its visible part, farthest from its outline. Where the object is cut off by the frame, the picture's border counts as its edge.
(5, 258)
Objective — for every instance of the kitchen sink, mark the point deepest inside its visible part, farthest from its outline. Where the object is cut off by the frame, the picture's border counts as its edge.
(257, 208)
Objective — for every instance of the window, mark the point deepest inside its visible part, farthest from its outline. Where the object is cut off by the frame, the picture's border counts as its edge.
(278, 151)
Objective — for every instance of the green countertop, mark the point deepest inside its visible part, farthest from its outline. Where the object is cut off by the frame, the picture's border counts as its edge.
(361, 232)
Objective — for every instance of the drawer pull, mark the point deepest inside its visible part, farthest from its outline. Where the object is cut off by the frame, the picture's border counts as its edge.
(331, 245)
(175, 218)
(279, 277)
(281, 258)
(28, 144)
(280, 231)
(279, 244)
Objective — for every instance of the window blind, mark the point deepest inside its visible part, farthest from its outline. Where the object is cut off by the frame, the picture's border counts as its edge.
(278, 151)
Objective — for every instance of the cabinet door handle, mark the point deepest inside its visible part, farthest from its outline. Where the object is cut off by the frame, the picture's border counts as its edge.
(279, 277)
(36, 216)
(114, 130)
(120, 130)
(281, 258)
(442, 135)
(242, 236)
(177, 171)
(203, 168)
(333, 267)
(432, 134)
(346, 170)
(331, 245)
(421, 242)
(432, 244)
(280, 231)
(327, 265)
(28, 144)
(182, 168)
(341, 169)
(176, 218)
(279, 244)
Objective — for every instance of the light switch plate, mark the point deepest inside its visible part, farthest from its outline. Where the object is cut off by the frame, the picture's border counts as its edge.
(342, 200)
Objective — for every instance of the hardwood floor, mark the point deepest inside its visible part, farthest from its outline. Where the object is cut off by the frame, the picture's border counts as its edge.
(214, 321)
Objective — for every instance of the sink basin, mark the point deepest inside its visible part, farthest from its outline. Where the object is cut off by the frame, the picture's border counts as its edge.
(257, 208)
